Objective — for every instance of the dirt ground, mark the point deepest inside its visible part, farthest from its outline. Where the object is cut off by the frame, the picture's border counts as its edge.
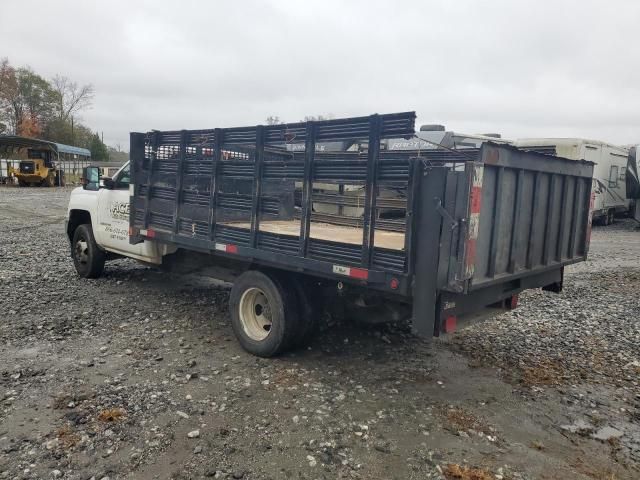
(138, 375)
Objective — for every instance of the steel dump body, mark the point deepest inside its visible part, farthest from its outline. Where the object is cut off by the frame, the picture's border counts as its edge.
(471, 227)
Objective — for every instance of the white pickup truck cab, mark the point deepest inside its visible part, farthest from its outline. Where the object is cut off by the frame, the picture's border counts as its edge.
(97, 224)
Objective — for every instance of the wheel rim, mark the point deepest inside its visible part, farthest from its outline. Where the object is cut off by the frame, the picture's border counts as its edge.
(255, 314)
(82, 251)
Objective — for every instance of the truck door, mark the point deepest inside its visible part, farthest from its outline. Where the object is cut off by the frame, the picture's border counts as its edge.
(112, 230)
(113, 213)
(619, 193)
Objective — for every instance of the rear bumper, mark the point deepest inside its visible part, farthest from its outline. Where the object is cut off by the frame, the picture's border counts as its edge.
(459, 310)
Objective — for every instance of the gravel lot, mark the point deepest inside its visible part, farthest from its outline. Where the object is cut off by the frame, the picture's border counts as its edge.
(138, 375)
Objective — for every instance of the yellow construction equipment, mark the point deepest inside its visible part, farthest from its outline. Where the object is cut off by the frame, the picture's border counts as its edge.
(40, 161)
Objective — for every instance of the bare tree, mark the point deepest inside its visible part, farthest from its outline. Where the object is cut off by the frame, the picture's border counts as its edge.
(273, 120)
(70, 97)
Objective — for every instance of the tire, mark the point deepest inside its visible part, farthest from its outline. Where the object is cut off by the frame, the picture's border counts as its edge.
(87, 256)
(264, 313)
(604, 220)
(611, 216)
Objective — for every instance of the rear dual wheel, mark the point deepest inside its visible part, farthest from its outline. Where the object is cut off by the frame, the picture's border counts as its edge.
(268, 313)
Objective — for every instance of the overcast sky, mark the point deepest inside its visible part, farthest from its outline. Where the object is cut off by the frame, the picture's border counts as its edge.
(522, 68)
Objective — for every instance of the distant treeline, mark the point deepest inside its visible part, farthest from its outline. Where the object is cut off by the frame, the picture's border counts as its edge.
(32, 106)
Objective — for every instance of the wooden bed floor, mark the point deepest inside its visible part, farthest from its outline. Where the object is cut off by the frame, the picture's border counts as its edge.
(327, 231)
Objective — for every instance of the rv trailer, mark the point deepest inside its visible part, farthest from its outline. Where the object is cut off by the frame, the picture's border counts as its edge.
(608, 174)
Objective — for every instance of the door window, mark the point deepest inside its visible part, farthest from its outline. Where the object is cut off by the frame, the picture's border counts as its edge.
(122, 179)
(613, 176)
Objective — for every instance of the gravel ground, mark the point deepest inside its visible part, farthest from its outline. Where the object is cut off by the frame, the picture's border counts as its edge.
(138, 375)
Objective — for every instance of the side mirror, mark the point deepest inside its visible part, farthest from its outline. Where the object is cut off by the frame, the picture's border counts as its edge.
(91, 178)
(108, 183)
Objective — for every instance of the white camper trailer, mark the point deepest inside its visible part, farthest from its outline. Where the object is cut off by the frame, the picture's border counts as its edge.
(608, 174)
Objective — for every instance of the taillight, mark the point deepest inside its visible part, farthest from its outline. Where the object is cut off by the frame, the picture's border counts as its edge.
(450, 324)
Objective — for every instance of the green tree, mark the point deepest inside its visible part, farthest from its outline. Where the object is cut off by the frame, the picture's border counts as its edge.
(59, 131)
(8, 89)
(117, 155)
(62, 131)
(98, 149)
(83, 136)
(34, 101)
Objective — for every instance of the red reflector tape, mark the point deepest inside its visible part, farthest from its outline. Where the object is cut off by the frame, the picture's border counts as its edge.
(359, 273)
(475, 205)
(470, 258)
(475, 202)
(151, 233)
(450, 324)
(227, 247)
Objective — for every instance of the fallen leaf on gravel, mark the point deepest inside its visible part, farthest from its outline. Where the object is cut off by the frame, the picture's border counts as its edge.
(537, 445)
(463, 420)
(111, 414)
(67, 437)
(455, 471)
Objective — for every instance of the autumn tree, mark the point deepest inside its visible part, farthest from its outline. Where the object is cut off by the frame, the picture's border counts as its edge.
(29, 127)
(27, 102)
(31, 106)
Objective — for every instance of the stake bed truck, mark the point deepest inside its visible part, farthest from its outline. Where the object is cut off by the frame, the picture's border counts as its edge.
(464, 233)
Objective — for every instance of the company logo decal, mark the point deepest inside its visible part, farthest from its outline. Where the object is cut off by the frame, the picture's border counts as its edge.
(119, 210)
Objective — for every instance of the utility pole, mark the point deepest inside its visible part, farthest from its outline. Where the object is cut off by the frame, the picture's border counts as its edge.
(72, 138)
